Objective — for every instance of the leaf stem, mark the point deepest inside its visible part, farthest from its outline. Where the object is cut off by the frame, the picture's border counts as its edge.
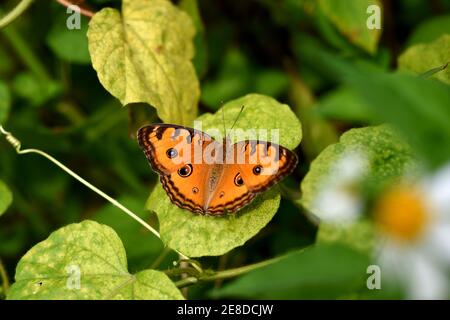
(4, 277)
(21, 7)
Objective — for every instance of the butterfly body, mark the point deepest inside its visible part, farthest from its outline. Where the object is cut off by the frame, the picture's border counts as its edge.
(205, 176)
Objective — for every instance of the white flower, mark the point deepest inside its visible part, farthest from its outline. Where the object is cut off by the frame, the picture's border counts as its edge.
(339, 200)
(414, 224)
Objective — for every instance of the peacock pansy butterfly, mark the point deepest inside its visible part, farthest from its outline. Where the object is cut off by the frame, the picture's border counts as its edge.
(205, 176)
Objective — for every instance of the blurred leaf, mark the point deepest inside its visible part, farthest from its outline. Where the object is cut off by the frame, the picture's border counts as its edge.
(423, 57)
(34, 90)
(418, 107)
(6, 62)
(430, 30)
(320, 272)
(317, 133)
(143, 54)
(200, 59)
(141, 246)
(359, 235)
(271, 82)
(5, 102)
(344, 104)
(350, 18)
(388, 156)
(67, 44)
(196, 235)
(227, 85)
(5, 197)
(49, 269)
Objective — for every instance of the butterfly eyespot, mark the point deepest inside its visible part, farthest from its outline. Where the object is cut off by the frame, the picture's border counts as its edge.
(221, 194)
(185, 171)
(257, 170)
(238, 180)
(195, 190)
(171, 153)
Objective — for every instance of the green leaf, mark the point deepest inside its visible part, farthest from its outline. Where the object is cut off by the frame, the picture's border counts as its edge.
(5, 197)
(388, 155)
(141, 246)
(350, 18)
(344, 104)
(69, 44)
(34, 90)
(423, 57)
(226, 85)
(94, 252)
(144, 53)
(196, 235)
(430, 30)
(418, 107)
(359, 235)
(320, 272)
(5, 101)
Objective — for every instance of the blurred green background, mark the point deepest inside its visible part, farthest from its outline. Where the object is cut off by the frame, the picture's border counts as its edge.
(51, 99)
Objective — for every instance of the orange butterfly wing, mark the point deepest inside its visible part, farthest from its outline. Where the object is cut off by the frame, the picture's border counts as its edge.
(169, 149)
(263, 164)
(231, 193)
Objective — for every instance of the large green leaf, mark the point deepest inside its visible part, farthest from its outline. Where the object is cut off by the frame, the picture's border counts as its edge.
(430, 30)
(5, 197)
(320, 272)
(144, 53)
(196, 235)
(5, 101)
(93, 252)
(142, 247)
(388, 157)
(350, 18)
(423, 57)
(418, 107)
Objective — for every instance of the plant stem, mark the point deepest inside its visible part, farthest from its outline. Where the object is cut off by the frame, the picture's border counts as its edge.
(238, 271)
(17, 146)
(160, 258)
(220, 275)
(4, 277)
(15, 13)
(186, 282)
(84, 12)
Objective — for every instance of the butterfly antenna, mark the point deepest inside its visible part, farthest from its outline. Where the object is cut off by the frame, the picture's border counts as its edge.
(223, 120)
(237, 118)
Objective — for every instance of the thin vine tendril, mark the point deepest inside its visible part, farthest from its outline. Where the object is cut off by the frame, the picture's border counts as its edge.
(17, 146)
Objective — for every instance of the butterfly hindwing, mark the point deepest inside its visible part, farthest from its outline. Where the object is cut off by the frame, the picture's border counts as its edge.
(231, 193)
(263, 164)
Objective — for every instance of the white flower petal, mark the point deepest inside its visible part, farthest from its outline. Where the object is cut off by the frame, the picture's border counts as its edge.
(338, 206)
(350, 167)
(437, 190)
(437, 243)
(427, 280)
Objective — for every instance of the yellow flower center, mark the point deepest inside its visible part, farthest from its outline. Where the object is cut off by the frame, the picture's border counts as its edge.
(401, 213)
